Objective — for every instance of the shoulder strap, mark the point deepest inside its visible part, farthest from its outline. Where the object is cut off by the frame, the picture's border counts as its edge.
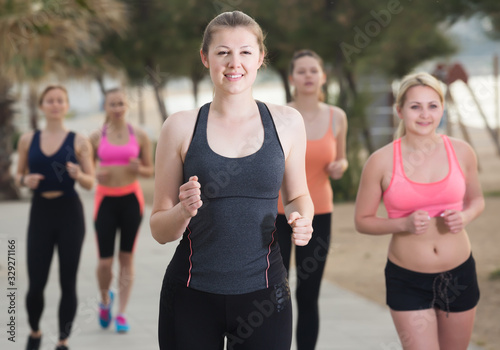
(452, 156)
(332, 123)
(267, 119)
(397, 165)
(200, 127)
(35, 140)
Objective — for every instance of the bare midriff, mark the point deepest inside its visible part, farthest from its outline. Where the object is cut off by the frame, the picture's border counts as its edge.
(436, 250)
(117, 175)
(51, 194)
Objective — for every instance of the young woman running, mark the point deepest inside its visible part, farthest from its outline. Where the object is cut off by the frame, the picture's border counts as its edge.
(123, 153)
(326, 128)
(50, 162)
(430, 187)
(219, 170)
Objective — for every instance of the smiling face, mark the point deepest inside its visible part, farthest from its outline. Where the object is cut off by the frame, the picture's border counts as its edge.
(422, 110)
(233, 59)
(116, 105)
(54, 104)
(307, 75)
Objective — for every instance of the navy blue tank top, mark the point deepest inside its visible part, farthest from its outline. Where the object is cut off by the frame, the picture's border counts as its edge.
(53, 167)
(230, 246)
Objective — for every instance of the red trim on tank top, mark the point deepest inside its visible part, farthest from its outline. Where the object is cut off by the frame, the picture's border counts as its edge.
(268, 254)
(190, 255)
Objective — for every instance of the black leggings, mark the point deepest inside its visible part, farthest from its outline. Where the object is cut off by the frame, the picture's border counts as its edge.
(54, 222)
(113, 213)
(310, 263)
(195, 320)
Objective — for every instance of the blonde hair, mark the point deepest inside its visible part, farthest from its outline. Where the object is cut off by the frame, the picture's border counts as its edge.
(50, 88)
(308, 53)
(409, 81)
(232, 20)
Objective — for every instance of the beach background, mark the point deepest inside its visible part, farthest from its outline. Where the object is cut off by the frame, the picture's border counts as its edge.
(356, 262)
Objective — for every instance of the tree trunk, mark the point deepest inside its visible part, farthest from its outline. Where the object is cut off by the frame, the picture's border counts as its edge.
(100, 81)
(283, 73)
(195, 86)
(8, 189)
(367, 135)
(140, 104)
(33, 106)
(161, 103)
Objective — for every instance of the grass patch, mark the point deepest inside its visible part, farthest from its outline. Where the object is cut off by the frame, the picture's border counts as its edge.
(495, 275)
(494, 193)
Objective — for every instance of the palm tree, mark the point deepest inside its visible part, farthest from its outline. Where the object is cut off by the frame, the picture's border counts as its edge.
(42, 39)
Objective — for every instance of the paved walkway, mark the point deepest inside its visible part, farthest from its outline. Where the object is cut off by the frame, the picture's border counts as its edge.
(348, 321)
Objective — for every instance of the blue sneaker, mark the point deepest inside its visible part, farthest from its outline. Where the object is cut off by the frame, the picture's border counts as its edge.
(105, 312)
(121, 324)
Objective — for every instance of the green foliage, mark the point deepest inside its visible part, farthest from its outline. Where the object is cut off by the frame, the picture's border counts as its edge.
(15, 139)
(346, 188)
(495, 275)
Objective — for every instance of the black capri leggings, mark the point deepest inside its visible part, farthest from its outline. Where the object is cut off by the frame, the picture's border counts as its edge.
(310, 262)
(195, 320)
(54, 222)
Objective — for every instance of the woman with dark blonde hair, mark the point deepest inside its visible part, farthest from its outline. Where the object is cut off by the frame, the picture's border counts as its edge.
(326, 128)
(50, 162)
(430, 187)
(219, 170)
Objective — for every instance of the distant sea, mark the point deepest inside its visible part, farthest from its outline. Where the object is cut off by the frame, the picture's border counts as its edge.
(484, 91)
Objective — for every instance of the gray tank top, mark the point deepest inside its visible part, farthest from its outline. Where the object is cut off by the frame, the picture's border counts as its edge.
(230, 246)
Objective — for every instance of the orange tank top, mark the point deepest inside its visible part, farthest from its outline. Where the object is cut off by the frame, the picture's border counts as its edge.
(319, 153)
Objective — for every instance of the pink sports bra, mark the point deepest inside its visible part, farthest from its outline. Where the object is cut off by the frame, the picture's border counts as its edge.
(404, 196)
(110, 154)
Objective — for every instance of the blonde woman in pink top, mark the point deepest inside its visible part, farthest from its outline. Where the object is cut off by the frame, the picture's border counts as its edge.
(430, 188)
(123, 153)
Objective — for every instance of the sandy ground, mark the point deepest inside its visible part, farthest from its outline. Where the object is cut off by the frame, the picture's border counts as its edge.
(356, 262)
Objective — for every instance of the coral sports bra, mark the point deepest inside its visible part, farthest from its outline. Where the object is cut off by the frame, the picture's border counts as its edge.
(404, 196)
(110, 154)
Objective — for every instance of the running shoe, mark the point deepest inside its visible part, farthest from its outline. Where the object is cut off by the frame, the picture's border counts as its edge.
(33, 343)
(121, 324)
(105, 312)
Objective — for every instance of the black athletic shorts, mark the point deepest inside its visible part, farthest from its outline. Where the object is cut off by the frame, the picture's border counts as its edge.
(452, 291)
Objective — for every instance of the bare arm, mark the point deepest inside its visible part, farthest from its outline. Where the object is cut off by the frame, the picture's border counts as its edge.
(473, 200)
(83, 173)
(337, 168)
(368, 200)
(22, 163)
(298, 205)
(95, 139)
(146, 167)
(174, 202)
